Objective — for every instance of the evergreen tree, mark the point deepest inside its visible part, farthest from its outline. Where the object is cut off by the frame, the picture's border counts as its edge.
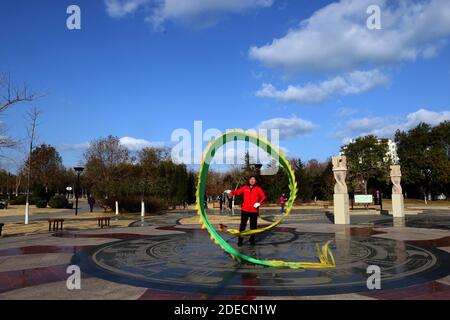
(424, 157)
(366, 159)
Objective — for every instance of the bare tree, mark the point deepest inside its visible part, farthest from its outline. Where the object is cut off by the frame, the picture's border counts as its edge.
(11, 94)
(103, 160)
(4, 140)
(18, 183)
(33, 116)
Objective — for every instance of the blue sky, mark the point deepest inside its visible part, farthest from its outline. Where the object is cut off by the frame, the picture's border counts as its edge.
(143, 68)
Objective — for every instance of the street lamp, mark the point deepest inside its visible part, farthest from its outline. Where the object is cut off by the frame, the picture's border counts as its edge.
(78, 170)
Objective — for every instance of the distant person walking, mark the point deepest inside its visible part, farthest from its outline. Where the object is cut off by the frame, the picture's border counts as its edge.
(282, 201)
(91, 202)
(221, 202)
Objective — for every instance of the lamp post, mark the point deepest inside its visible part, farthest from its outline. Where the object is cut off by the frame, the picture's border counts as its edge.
(78, 170)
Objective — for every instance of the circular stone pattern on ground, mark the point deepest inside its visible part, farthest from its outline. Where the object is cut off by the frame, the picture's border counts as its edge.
(426, 220)
(192, 263)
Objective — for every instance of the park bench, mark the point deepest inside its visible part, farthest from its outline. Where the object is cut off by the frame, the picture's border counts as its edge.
(1, 227)
(103, 221)
(55, 224)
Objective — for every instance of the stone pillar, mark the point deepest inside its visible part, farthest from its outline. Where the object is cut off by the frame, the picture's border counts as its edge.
(399, 222)
(398, 207)
(341, 201)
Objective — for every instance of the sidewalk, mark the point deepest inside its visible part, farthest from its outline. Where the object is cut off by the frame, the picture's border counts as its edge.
(17, 213)
(14, 217)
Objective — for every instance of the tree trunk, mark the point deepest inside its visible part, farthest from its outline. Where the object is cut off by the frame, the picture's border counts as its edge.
(18, 182)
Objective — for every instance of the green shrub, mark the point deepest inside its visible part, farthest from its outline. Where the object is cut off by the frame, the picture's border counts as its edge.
(154, 205)
(133, 204)
(35, 199)
(19, 200)
(58, 202)
(40, 203)
(43, 193)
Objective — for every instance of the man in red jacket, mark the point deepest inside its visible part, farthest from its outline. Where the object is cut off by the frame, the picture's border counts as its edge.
(254, 197)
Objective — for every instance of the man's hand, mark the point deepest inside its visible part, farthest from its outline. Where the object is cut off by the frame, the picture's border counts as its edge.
(257, 205)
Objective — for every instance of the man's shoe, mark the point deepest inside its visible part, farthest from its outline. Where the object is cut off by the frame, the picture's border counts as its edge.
(239, 244)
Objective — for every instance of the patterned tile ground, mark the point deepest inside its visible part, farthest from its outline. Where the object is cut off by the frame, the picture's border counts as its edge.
(34, 266)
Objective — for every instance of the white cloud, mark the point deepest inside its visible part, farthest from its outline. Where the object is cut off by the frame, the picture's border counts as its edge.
(134, 144)
(345, 111)
(121, 8)
(427, 116)
(387, 126)
(351, 83)
(182, 10)
(364, 124)
(336, 38)
(288, 127)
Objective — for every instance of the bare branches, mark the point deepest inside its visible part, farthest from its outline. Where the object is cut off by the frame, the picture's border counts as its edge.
(33, 116)
(11, 94)
(7, 142)
(4, 140)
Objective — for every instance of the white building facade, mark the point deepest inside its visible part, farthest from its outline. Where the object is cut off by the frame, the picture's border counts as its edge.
(391, 154)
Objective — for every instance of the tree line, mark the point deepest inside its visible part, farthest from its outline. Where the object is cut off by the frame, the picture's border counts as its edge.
(423, 153)
(112, 173)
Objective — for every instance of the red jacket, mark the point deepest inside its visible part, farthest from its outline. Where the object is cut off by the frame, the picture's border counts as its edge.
(251, 196)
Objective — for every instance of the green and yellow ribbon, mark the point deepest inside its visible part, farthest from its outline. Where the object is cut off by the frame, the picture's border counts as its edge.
(325, 256)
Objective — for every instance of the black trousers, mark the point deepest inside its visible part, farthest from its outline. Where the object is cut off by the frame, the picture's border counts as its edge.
(253, 216)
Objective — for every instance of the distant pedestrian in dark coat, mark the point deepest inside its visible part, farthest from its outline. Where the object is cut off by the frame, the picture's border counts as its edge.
(91, 202)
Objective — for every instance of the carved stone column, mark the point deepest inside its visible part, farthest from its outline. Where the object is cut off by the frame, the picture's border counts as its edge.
(341, 201)
(398, 207)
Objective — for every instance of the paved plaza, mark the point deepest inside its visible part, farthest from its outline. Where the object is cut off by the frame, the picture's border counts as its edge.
(169, 256)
